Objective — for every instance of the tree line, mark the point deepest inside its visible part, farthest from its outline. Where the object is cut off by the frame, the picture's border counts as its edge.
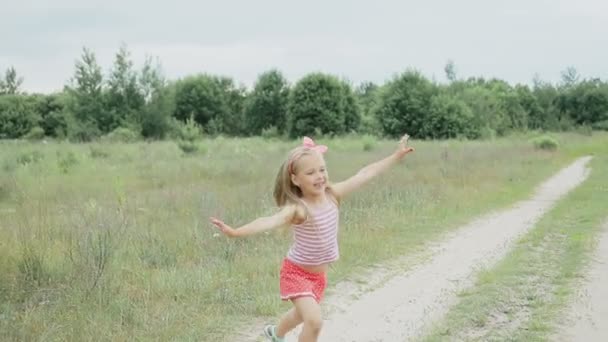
(143, 103)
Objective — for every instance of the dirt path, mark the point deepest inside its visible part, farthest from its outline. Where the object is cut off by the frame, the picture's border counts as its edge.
(400, 308)
(588, 317)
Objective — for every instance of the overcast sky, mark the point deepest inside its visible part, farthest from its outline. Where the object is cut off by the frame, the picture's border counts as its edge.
(511, 40)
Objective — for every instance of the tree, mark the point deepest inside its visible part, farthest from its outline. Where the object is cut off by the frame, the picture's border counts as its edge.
(200, 97)
(316, 105)
(449, 117)
(570, 76)
(11, 82)
(266, 106)
(511, 114)
(159, 101)
(367, 98)
(86, 99)
(151, 79)
(351, 109)
(487, 108)
(123, 97)
(18, 115)
(585, 103)
(367, 95)
(404, 104)
(450, 71)
(52, 111)
(530, 104)
(549, 116)
(232, 121)
(214, 103)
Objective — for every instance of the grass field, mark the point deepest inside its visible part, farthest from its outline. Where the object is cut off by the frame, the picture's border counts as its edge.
(111, 242)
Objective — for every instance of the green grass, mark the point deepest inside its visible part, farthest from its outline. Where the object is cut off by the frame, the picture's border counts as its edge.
(111, 241)
(521, 298)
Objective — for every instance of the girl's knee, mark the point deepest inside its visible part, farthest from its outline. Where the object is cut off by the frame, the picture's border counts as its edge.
(314, 323)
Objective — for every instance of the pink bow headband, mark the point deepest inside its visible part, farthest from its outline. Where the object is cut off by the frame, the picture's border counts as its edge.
(308, 143)
(311, 144)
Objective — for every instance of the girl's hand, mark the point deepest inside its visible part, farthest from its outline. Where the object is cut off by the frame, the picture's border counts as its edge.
(226, 229)
(403, 148)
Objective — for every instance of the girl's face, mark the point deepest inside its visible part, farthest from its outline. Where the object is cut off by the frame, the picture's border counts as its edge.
(311, 175)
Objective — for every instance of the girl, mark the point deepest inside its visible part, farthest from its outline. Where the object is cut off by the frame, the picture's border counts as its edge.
(310, 204)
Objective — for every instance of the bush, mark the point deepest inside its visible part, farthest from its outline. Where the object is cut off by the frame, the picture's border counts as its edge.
(545, 143)
(487, 133)
(36, 133)
(81, 131)
(601, 126)
(187, 134)
(190, 131)
(270, 132)
(98, 152)
(584, 130)
(122, 134)
(32, 267)
(67, 161)
(29, 157)
(190, 147)
(369, 142)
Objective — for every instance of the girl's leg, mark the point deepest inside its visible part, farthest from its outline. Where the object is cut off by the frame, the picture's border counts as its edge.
(288, 321)
(310, 312)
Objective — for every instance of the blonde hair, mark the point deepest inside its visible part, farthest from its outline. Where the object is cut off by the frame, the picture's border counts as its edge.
(285, 192)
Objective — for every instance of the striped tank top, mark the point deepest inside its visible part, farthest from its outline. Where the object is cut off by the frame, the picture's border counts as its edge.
(316, 239)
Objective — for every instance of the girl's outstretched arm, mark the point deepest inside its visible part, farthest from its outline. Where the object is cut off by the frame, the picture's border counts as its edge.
(284, 216)
(370, 171)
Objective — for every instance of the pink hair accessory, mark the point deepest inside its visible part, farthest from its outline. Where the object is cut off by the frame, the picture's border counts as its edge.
(309, 143)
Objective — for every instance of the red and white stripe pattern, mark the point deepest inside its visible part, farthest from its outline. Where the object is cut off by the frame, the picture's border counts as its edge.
(316, 240)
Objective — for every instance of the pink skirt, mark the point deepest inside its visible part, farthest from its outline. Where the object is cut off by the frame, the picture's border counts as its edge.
(297, 282)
